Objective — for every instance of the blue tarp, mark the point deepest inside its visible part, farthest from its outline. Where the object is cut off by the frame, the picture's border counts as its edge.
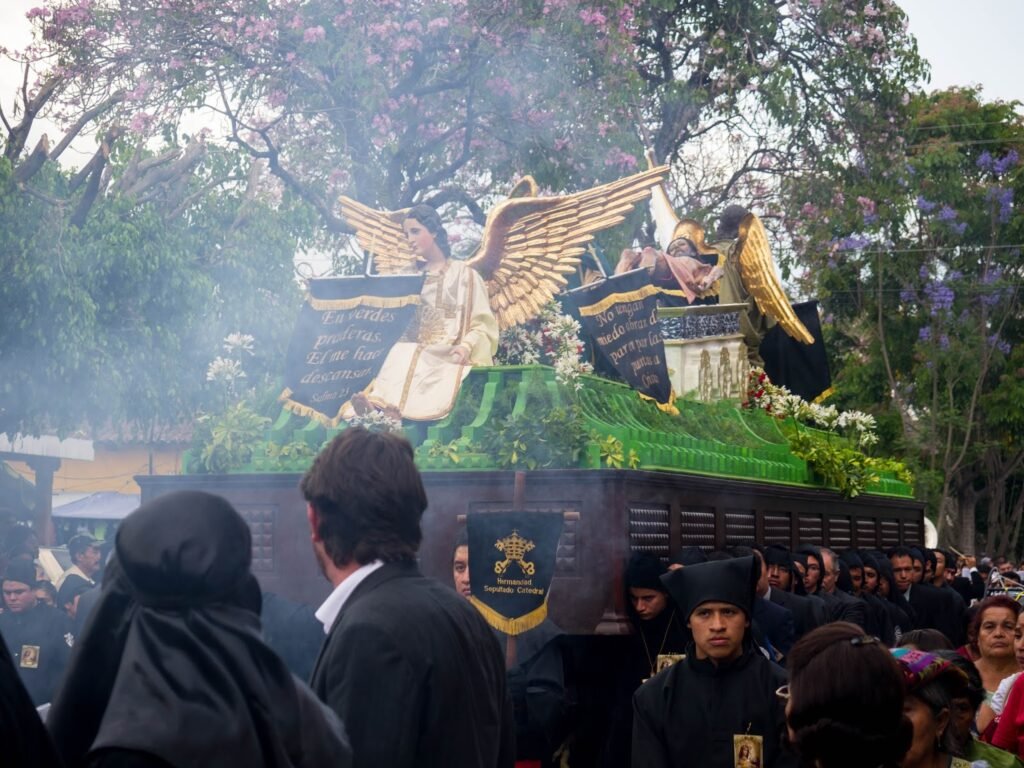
(99, 506)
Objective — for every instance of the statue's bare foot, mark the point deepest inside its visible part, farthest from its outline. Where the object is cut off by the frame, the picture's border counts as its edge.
(361, 404)
(393, 413)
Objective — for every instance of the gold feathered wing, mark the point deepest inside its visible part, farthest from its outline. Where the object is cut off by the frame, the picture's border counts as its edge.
(531, 243)
(380, 234)
(757, 269)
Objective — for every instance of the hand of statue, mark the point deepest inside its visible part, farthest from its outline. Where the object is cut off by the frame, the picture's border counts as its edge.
(628, 260)
(459, 354)
(649, 255)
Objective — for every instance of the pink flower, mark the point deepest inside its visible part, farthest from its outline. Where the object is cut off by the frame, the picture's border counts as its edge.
(314, 34)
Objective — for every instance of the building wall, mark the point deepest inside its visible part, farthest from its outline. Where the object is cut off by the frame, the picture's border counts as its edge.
(112, 470)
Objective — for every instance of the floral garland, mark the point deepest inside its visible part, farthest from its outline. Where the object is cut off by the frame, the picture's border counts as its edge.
(780, 402)
(552, 339)
(376, 421)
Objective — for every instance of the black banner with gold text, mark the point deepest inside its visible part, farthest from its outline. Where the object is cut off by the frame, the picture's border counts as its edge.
(345, 329)
(620, 315)
(511, 564)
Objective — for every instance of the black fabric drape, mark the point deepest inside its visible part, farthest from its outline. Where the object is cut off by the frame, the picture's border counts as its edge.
(171, 663)
(23, 738)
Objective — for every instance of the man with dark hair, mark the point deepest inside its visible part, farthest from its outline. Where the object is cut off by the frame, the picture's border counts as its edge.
(69, 593)
(86, 559)
(39, 636)
(717, 706)
(820, 580)
(411, 667)
(932, 608)
(774, 621)
(808, 613)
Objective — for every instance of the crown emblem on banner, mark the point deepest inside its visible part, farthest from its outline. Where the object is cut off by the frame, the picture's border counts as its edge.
(515, 548)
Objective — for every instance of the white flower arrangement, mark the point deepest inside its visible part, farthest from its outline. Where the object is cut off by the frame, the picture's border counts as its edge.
(780, 402)
(376, 421)
(552, 339)
(224, 370)
(239, 342)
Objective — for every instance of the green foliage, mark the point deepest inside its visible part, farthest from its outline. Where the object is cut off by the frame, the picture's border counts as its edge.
(840, 466)
(449, 451)
(547, 434)
(913, 249)
(233, 437)
(613, 453)
(289, 453)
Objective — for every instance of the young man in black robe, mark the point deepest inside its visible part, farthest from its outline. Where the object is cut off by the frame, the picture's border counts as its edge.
(39, 636)
(718, 707)
(411, 667)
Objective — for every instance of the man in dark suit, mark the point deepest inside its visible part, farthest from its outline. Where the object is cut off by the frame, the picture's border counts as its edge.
(808, 613)
(840, 606)
(775, 622)
(932, 609)
(412, 668)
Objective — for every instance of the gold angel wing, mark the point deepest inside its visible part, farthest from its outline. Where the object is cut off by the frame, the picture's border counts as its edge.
(380, 233)
(758, 273)
(531, 243)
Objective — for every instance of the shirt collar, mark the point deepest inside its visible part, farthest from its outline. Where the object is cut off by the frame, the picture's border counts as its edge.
(328, 612)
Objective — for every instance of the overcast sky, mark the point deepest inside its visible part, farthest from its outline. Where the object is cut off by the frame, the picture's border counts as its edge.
(966, 43)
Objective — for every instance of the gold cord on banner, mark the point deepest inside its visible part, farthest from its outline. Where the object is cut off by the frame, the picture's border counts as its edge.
(615, 298)
(378, 302)
(669, 407)
(285, 398)
(824, 395)
(512, 626)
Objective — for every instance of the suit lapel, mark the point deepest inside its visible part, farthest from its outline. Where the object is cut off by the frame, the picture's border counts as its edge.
(385, 573)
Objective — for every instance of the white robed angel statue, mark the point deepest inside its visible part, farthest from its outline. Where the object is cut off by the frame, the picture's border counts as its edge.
(529, 244)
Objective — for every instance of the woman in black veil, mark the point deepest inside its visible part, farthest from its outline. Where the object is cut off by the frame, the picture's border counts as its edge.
(171, 670)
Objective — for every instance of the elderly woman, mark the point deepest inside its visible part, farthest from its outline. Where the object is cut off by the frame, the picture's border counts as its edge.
(845, 700)
(932, 686)
(993, 627)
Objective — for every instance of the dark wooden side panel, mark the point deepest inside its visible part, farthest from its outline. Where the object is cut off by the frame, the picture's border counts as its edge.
(608, 514)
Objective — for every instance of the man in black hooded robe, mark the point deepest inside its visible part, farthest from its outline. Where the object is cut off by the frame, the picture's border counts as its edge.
(717, 707)
(171, 672)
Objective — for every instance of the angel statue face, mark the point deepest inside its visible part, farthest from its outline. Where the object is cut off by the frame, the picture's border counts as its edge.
(426, 235)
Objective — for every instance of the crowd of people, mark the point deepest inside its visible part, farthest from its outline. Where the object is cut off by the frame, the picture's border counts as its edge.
(753, 657)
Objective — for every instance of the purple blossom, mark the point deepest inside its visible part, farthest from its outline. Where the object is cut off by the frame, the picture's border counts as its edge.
(1001, 344)
(925, 334)
(908, 295)
(940, 296)
(923, 272)
(1005, 163)
(954, 275)
(1003, 197)
(991, 275)
(853, 243)
(959, 228)
(947, 214)
(991, 299)
(924, 205)
(984, 161)
(944, 341)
